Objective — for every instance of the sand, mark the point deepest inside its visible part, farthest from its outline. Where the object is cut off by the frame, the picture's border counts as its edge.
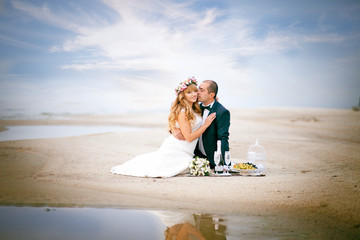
(312, 183)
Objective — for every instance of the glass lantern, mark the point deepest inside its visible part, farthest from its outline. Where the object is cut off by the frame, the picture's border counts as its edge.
(256, 155)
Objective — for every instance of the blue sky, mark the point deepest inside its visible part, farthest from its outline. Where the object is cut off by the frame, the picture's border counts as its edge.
(111, 56)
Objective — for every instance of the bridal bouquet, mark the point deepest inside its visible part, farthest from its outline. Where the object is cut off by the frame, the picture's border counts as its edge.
(199, 167)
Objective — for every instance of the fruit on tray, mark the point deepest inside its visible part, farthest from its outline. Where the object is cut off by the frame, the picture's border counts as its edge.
(245, 166)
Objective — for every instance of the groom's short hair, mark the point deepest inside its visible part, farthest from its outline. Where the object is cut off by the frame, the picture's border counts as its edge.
(213, 87)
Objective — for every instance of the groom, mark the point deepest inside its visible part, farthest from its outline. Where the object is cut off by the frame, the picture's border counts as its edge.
(219, 128)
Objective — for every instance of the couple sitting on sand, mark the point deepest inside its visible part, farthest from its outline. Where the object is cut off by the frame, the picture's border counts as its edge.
(195, 130)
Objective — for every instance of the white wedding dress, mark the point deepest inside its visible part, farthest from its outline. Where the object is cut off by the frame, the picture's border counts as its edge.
(172, 158)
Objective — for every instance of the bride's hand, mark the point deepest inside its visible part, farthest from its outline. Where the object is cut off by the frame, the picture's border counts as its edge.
(209, 119)
(176, 132)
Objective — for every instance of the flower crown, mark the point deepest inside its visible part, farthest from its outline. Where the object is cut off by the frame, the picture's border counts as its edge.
(183, 85)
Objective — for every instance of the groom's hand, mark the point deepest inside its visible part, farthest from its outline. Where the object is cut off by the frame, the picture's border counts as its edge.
(177, 134)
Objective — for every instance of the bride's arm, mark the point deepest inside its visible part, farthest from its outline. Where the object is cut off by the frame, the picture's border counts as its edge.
(176, 132)
(185, 126)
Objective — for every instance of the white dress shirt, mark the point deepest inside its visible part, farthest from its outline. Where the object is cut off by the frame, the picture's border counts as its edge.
(205, 115)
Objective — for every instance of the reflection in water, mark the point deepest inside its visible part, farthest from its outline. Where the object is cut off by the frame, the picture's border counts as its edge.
(210, 226)
(184, 226)
(104, 223)
(78, 223)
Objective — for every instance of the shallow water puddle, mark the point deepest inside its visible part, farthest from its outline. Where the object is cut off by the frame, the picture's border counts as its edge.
(48, 131)
(106, 223)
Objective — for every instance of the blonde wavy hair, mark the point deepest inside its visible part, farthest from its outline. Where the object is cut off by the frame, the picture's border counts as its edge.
(179, 104)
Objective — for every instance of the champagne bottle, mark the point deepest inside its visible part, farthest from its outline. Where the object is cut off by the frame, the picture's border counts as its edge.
(218, 146)
(218, 159)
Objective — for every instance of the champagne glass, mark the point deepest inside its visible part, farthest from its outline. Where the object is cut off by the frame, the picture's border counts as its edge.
(227, 160)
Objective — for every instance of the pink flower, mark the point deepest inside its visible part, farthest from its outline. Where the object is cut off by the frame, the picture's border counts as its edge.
(183, 85)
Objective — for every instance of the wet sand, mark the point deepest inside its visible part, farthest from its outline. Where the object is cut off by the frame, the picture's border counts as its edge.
(311, 187)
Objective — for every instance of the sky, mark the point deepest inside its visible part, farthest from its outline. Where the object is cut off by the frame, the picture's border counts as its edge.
(115, 56)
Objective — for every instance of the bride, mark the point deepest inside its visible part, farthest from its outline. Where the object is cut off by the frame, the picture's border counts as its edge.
(173, 156)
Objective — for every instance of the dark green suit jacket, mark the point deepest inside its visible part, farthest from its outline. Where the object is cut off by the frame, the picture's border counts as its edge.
(218, 130)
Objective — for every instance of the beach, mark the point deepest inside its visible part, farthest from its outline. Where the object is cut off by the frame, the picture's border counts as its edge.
(312, 182)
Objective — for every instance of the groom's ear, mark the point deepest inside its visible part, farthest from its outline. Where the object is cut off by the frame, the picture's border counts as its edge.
(212, 95)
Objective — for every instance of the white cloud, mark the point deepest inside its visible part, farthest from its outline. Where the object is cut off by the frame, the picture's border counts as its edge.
(76, 21)
(163, 35)
(324, 38)
(43, 13)
(18, 43)
(149, 46)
